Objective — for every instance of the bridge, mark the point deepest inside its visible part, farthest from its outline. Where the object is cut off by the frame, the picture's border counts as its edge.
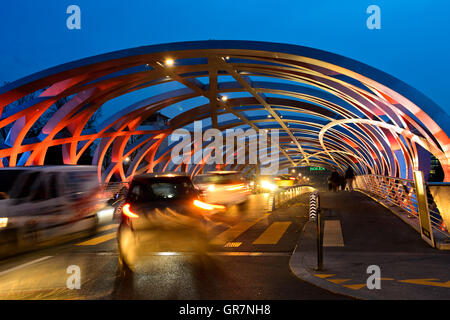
(328, 111)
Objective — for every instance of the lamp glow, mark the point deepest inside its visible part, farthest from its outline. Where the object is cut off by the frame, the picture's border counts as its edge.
(169, 62)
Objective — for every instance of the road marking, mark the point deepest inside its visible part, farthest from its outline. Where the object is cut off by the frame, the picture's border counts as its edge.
(25, 265)
(212, 253)
(332, 234)
(251, 254)
(273, 233)
(355, 286)
(235, 231)
(97, 240)
(107, 227)
(427, 282)
(323, 276)
(233, 245)
(338, 281)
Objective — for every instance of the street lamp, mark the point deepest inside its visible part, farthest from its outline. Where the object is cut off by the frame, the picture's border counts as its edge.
(169, 62)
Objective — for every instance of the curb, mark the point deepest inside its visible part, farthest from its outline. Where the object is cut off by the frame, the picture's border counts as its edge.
(299, 268)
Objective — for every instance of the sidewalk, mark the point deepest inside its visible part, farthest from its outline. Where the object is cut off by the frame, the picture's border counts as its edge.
(365, 233)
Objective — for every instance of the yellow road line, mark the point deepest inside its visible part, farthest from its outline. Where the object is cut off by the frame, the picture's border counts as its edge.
(97, 240)
(427, 282)
(273, 233)
(234, 232)
(338, 281)
(108, 227)
(355, 286)
(322, 276)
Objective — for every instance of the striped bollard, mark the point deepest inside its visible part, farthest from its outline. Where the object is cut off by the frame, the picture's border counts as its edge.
(313, 205)
(314, 214)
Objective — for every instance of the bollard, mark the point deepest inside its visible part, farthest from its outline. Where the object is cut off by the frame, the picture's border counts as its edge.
(319, 242)
(273, 201)
(315, 214)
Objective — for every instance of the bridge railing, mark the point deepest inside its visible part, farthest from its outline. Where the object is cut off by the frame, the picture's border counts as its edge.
(402, 194)
(115, 189)
(282, 196)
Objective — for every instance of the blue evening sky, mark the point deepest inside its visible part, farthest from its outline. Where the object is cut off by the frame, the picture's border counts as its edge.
(412, 45)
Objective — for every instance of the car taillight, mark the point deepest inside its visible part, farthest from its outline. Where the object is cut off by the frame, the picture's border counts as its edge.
(207, 206)
(127, 211)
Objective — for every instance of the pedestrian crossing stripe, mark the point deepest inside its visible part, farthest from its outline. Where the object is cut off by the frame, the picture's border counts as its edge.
(235, 231)
(107, 227)
(332, 234)
(98, 240)
(271, 236)
(273, 233)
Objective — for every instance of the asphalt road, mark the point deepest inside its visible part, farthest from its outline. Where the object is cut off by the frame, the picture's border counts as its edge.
(249, 260)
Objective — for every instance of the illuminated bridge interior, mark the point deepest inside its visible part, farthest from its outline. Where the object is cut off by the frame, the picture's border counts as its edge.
(331, 111)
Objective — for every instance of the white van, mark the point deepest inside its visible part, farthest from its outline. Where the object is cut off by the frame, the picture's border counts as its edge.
(38, 204)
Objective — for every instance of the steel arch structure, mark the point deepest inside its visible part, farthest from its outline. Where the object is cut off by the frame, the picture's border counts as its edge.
(332, 111)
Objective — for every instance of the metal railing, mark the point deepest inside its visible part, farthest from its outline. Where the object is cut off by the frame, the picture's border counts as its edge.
(401, 193)
(282, 196)
(115, 189)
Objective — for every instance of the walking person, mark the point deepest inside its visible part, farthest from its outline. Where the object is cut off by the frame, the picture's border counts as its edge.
(349, 177)
(334, 179)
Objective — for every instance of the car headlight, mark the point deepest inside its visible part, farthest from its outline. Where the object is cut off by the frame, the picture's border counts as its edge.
(211, 187)
(3, 222)
(105, 215)
(268, 185)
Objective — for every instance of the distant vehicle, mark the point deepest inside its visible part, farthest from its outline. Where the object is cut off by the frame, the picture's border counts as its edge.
(162, 213)
(38, 204)
(265, 184)
(223, 187)
(285, 181)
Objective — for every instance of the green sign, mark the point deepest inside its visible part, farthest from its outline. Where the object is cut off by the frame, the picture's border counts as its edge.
(316, 169)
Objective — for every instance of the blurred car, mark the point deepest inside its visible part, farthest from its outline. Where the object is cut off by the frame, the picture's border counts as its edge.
(285, 181)
(223, 187)
(42, 203)
(266, 184)
(162, 213)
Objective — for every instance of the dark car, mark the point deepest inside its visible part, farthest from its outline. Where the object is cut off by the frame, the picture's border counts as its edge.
(161, 214)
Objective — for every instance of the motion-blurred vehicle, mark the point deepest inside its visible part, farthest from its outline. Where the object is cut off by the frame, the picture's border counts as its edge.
(223, 187)
(285, 181)
(265, 184)
(39, 204)
(163, 213)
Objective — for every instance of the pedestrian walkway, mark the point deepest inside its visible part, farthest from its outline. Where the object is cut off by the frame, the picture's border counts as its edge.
(363, 233)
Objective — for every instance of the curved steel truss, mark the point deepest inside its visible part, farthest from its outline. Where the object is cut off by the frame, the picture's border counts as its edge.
(331, 111)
